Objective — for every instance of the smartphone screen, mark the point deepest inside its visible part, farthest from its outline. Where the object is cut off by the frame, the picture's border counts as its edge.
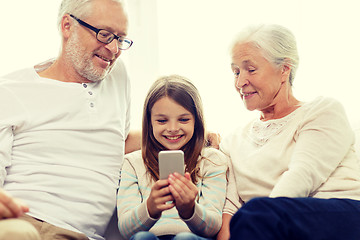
(171, 161)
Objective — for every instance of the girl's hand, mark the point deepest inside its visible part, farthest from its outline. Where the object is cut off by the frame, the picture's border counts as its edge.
(159, 198)
(184, 193)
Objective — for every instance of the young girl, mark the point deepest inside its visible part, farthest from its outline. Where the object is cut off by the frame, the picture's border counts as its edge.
(180, 207)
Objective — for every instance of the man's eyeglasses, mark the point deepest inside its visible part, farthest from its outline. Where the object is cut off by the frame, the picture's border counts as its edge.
(105, 36)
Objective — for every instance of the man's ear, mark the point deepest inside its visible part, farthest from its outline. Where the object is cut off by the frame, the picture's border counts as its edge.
(66, 25)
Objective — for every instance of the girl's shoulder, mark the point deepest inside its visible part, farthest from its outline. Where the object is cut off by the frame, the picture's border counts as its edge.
(214, 155)
(133, 163)
(133, 155)
(134, 158)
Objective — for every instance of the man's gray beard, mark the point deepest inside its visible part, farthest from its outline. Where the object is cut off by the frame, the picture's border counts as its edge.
(81, 60)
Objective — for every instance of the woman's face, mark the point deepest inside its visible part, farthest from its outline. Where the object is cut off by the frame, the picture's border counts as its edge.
(173, 125)
(256, 79)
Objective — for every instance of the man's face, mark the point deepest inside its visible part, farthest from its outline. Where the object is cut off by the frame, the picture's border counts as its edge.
(91, 59)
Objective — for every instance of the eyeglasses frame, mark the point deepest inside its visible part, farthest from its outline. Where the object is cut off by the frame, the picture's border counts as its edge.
(97, 30)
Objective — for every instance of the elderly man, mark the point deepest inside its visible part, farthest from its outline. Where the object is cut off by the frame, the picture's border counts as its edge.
(64, 129)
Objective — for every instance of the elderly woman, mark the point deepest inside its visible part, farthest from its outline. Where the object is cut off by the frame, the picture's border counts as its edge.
(294, 173)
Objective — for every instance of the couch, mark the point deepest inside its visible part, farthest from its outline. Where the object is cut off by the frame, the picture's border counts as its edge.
(112, 231)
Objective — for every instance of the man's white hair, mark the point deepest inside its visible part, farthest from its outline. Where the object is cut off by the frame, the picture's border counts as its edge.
(79, 8)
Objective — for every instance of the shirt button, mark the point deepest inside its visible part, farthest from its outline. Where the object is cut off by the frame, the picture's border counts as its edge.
(90, 92)
(84, 85)
(92, 105)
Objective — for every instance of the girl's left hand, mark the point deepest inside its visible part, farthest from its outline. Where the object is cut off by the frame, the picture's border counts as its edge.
(184, 192)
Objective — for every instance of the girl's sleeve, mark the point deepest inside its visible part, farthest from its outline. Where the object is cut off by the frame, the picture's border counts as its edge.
(207, 217)
(324, 138)
(131, 207)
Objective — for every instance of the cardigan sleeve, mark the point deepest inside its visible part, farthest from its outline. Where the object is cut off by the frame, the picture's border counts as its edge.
(233, 201)
(131, 207)
(207, 218)
(323, 140)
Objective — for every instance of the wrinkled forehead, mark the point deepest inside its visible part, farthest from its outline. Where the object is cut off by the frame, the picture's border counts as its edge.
(245, 52)
(248, 52)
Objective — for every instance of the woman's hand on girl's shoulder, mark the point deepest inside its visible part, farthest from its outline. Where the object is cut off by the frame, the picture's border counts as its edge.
(213, 140)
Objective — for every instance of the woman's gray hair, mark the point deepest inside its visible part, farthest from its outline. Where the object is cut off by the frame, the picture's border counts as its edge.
(276, 42)
(79, 8)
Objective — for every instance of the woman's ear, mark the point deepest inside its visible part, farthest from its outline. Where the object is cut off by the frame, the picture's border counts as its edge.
(286, 70)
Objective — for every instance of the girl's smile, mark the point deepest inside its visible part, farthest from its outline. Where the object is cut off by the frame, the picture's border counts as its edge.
(174, 138)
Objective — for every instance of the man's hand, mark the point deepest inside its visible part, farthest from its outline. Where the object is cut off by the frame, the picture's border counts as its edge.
(133, 141)
(11, 207)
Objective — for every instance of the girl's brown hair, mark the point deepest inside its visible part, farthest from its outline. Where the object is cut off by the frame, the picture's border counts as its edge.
(182, 91)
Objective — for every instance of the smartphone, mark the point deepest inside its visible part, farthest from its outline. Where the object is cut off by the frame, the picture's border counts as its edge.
(171, 161)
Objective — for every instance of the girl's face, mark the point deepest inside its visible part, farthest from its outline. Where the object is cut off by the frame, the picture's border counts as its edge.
(173, 125)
